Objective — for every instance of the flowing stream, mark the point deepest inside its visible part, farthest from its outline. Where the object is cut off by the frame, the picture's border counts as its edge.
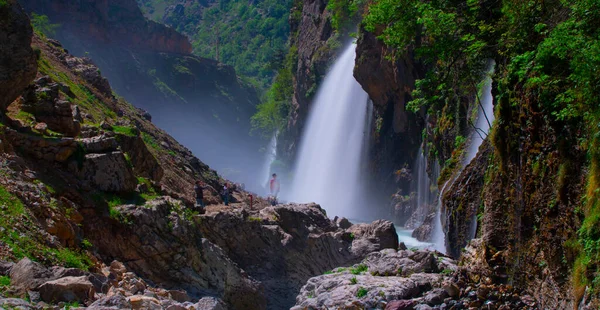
(328, 167)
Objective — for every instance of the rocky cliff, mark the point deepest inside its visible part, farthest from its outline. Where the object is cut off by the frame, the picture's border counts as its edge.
(316, 42)
(150, 65)
(98, 208)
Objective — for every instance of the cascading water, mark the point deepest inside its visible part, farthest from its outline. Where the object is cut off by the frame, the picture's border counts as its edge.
(328, 167)
(270, 157)
(422, 203)
(485, 115)
(485, 119)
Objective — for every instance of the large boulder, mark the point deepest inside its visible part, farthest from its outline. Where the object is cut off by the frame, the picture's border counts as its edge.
(108, 172)
(99, 144)
(144, 162)
(28, 275)
(18, 61)
(381, 280)
(67, 289)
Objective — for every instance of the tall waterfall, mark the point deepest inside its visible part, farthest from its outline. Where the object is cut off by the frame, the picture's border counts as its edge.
(328, 166)
(270, 156)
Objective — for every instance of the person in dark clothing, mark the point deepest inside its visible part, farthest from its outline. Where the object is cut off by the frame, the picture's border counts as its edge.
(225, 193)
(199, 188)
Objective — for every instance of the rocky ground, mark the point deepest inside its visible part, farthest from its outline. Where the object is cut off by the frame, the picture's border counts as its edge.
(408, 279)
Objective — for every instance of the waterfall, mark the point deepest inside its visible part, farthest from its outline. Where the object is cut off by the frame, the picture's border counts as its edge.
(328, 167)
(485, 118)
(270, 156)
(422, 186)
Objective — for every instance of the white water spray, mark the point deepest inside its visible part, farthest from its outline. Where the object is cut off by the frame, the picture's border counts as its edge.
(270, 157)
(328, 166)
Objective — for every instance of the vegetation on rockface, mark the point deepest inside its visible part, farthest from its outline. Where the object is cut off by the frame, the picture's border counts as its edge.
(272, 113)
(250, 36)
(42, 25)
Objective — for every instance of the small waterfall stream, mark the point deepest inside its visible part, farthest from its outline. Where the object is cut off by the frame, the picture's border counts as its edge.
(328, 167)
(270, 157)
(485, 118)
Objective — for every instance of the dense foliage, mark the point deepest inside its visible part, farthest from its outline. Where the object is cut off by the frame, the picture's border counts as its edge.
(251, 36)
(548, 59)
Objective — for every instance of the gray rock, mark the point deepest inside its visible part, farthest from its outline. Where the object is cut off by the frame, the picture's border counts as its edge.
(5, 267)
(67, 289)
(15, 303)
(28, 275)
(99, 144)
(210, 303)
(108, 172)
(116, 301)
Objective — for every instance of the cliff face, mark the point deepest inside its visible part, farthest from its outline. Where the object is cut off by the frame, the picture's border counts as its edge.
(150, 65)
(397, 132)
(16, 56)
(313, 38)
(111, 22)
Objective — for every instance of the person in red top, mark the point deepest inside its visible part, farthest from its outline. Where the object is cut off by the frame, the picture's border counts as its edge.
(274, 187)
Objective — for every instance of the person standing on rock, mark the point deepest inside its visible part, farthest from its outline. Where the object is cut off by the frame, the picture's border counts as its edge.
(199, 188)
(274, 187)
(225, 194)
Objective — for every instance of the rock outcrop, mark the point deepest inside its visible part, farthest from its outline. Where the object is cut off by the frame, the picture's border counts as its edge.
(389, 85)
(19, 63)
(279, 248)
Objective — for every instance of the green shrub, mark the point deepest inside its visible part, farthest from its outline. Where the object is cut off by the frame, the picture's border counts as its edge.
(125, 130)
(358, 269)
(362, 292)
(353, 280)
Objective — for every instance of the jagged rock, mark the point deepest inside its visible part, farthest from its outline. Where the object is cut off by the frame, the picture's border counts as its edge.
(5, 267)
(144, 163)
(67, 289)
(108, 172)
(86, 68)
(342, 223)
(19, 63)
(28, 275)
(424, 233)
(99, 144)
(210, 303)
(45, 103)
(382, 231)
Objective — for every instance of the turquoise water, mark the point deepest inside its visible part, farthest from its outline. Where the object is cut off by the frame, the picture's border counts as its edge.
(410, 242)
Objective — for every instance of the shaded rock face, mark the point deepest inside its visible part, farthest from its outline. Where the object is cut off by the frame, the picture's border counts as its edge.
(144, 163)
(463, 202)
(389, 85)
(108, 172)
(67, 289)
(165, 248)
(109, 21)
(18, 63)
(284, 246)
